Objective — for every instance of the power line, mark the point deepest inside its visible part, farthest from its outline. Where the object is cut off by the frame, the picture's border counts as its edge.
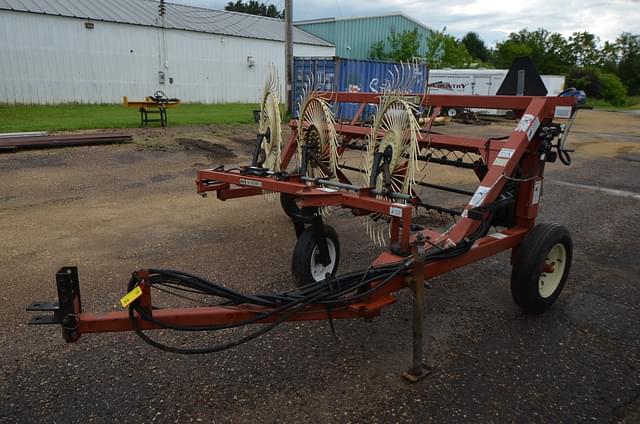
(338, 6)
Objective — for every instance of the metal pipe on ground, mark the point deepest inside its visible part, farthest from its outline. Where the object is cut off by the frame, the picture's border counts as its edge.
(43, 142)
(24, 134)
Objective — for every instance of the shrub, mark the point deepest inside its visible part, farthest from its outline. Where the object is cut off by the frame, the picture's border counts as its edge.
(586, 79)
(613, 89)
(599, 85)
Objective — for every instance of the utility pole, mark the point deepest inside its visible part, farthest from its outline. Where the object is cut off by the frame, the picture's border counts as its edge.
(162, 9)
(288, 49)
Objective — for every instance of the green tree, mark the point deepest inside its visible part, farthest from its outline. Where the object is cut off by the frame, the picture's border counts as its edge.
(557, 58)
(629, 65)
(475, 46)
(608, 57)
(508, 50)
(550, 52)
(402, 47)
(584, 49)
(254, 7)
(378, 51)
(444, 51)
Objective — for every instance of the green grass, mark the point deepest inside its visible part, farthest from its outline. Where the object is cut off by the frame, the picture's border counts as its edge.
(15, 118)
(626, 104)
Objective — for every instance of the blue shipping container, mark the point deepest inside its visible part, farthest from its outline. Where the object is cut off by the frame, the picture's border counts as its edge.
(333, 73)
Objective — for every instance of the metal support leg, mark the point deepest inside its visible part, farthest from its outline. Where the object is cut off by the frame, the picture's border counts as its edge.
(298, 226)
(257, 149)
(418, 369)
(319, 234)
(304, 163)
(312, 217)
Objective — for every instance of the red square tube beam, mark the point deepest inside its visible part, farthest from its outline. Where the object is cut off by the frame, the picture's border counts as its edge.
(226, 315)
(311, 196)
(517, 103)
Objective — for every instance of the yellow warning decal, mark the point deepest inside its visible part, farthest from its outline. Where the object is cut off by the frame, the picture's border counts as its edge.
(128, 298)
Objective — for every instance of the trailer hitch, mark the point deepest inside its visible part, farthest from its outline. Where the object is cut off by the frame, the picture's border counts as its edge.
(68, 307)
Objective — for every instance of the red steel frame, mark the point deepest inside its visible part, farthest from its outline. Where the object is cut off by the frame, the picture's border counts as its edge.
(523, 146)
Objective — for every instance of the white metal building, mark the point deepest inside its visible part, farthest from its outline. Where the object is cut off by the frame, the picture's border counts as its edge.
(89, 51)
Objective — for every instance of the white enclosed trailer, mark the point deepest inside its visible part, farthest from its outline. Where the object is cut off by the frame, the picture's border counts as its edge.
(481, 82)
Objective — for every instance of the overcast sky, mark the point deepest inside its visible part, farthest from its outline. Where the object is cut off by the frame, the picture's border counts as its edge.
(493, 19)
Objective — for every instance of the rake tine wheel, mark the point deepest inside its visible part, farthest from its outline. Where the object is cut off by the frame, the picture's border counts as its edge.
(317, 131)
(392, 153)
(317, 141)
(269, 140)
(269, 125)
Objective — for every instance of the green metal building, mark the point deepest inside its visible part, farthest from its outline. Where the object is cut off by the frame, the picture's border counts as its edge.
(353, 37)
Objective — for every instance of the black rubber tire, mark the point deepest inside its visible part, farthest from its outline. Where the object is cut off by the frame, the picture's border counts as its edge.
(301, 261)
(529, 262)
(289, 205)
(453, 113)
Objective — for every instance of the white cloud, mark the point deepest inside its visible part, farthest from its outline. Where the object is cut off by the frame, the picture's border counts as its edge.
(493, 19)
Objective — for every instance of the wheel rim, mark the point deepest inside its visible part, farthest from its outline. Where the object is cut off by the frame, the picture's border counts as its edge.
(552, 270)
(452, 113)
(319, 271)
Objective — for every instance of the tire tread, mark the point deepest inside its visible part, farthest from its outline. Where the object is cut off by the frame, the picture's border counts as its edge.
(302, 254)
(530, 256)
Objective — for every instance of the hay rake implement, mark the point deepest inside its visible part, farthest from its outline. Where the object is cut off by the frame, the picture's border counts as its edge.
(498, 215)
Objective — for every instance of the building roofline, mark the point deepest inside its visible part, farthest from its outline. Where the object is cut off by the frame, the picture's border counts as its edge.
(353, 18)
(312, 39)
(207, 9)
